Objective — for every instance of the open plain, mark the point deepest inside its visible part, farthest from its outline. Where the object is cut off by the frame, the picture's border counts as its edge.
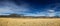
(29, 22)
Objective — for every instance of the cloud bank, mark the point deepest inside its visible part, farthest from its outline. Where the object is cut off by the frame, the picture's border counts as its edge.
(8, 7)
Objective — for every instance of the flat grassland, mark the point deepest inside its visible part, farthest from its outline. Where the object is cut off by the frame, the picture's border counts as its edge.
(29, 22)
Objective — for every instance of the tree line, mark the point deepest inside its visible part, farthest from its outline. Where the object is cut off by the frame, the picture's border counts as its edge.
(21, 15)
(12, 15)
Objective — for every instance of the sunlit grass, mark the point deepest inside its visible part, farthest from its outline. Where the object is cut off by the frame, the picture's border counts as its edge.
(29, 22)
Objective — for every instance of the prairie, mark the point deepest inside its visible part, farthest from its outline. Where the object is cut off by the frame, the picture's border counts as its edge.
(29, 22)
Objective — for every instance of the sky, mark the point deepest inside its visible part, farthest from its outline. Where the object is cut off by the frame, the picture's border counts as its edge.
(30, 7)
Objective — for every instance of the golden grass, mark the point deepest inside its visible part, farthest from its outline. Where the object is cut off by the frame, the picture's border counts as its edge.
(29, 22)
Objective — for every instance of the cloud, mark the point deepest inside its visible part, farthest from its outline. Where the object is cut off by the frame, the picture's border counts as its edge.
(5, 9)
(57, 13)
(36, 14)
(50, 13)
(30, 14)
(10, 7)
(47, 12)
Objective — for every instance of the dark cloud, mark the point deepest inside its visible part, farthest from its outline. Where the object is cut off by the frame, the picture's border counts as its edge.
(29, 6)
(37, 2)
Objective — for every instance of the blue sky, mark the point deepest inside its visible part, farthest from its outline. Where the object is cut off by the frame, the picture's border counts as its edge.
(30, 7)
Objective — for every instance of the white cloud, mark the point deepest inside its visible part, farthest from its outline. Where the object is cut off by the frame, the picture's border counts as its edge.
(10, 7)
(5, 9)
(36, 14)
(57, 13)
(51, 13)
(42, 13)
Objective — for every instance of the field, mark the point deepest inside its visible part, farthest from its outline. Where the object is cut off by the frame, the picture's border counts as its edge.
(29, 22)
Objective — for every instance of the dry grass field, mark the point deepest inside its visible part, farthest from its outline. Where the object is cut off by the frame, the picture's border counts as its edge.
(29, 22)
